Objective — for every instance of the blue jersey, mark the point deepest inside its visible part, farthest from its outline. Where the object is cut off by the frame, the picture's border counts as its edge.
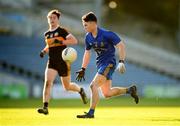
(103, 44)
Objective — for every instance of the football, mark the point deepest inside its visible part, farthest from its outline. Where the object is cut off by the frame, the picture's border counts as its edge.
(69, 54)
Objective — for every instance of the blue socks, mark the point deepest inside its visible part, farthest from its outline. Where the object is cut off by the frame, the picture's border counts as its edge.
(91, 112)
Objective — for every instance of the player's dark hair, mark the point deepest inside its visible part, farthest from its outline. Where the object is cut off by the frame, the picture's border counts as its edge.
(56, 12)
(89, 17)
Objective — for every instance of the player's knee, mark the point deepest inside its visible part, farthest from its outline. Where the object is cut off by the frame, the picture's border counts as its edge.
(93, 85)
(106, 95)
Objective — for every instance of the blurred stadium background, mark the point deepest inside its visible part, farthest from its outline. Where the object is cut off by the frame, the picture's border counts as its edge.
(151, 30)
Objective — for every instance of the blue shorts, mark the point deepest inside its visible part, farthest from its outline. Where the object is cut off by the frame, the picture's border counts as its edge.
(107, 70)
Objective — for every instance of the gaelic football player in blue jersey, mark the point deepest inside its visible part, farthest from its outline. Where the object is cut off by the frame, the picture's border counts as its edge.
(104, 43)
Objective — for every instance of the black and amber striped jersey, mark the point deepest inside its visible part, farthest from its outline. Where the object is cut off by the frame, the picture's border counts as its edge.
(51, 37)
(54, 40)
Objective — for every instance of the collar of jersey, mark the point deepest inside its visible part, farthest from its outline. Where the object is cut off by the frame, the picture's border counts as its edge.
(54, 29)
(99, 32)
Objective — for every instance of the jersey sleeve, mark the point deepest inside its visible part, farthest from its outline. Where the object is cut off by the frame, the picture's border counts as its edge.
(87, 44)
(45, 36)
(45, 33)
(65, 33)
(113, 37)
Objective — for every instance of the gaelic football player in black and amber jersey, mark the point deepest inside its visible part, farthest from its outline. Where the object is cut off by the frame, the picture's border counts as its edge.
(57, 39)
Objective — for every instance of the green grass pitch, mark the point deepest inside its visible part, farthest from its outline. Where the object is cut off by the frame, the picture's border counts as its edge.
(112, 112)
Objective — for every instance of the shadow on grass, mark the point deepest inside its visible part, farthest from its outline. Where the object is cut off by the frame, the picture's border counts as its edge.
(73, 103)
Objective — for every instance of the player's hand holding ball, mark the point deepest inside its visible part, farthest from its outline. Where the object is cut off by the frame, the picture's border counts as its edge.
(121, 67)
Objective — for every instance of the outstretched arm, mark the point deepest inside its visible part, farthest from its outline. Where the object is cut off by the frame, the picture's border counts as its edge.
(70, 40)
(86, 58)
(122, 54)
(85, 62)
(121, 50)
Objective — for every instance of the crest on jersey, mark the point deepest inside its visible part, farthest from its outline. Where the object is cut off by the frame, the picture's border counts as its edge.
(96, 44)
(56, 34)
(102, 44)
(51, 35)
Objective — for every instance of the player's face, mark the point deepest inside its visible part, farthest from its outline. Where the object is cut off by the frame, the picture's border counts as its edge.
(88, 26)
(53, 20)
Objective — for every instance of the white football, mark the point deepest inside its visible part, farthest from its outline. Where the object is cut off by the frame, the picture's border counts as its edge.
(69, 54)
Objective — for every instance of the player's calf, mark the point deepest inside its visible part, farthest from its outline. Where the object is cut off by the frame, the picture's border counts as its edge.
(83, 96)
